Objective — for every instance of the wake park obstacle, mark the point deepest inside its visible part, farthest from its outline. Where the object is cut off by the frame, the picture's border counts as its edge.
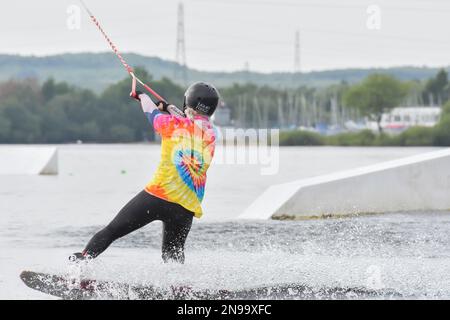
(417, 183)
(28, 160)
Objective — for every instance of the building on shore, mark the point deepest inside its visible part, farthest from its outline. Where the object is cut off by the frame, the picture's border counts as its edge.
(401, 118)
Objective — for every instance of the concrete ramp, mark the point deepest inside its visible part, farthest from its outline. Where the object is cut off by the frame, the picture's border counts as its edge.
(25, 160)
(420, 182)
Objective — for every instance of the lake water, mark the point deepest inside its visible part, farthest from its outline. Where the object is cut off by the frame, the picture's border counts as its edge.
(45, 218)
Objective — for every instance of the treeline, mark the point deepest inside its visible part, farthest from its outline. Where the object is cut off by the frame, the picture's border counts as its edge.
(58, 113)
(333, 106)
(380, 93)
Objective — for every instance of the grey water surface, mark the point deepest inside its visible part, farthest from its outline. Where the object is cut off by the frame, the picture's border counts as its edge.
(45, 218)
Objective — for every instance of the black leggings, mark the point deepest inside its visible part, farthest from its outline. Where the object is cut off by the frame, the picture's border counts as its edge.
(141, 210)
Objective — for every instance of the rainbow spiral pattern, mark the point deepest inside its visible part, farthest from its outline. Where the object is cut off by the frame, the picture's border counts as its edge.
(187, 149)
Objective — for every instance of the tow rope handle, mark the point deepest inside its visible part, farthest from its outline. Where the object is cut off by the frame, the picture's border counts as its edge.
(171, 109)
(134, 81)
(133, 85)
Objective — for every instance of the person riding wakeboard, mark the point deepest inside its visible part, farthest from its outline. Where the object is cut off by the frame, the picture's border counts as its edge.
(176, 191)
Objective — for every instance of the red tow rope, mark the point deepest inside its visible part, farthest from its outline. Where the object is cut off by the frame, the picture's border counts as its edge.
(122, 60)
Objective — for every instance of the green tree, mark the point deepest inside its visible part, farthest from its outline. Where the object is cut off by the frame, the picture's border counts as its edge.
(378, 93)
(26, 124)
(442, 130)
(5, 129)
(437, 87)
(51, 89)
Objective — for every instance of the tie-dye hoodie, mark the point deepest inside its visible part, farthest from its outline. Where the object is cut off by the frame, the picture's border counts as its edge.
(187, 149)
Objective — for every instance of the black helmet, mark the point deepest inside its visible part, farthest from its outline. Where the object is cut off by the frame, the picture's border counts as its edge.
(201, 97)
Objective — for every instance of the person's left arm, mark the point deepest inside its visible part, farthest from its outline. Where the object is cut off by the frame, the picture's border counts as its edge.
(149, 108)
(161, 122)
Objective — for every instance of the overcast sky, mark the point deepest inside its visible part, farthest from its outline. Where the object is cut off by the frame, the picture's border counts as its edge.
(225, 34)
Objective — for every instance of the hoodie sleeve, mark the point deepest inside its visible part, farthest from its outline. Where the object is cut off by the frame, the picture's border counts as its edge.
(149, 108)
(166, 124)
